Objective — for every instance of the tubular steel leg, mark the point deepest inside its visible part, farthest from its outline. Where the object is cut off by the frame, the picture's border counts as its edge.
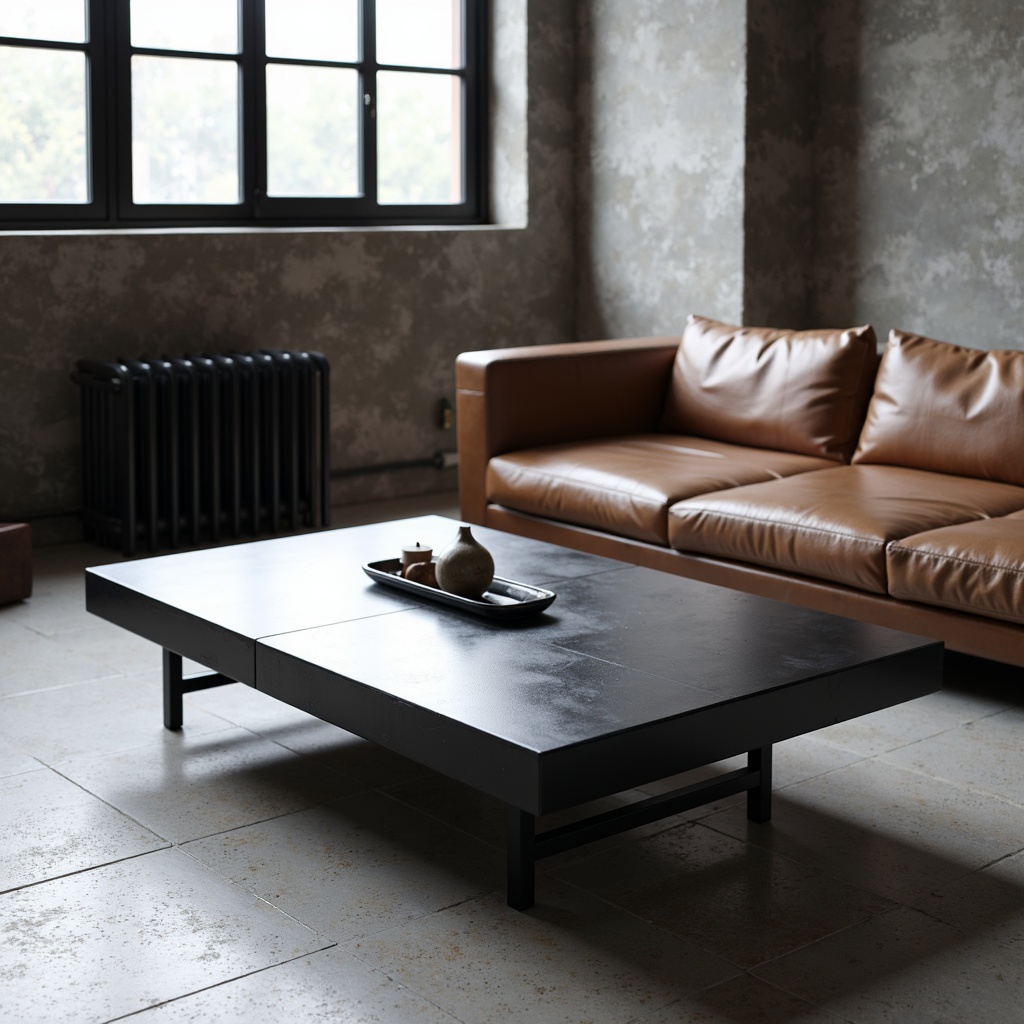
(521, 859)
(759, 799)
(174, 688)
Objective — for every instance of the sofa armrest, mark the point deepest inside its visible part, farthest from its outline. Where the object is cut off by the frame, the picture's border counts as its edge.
(514, 398)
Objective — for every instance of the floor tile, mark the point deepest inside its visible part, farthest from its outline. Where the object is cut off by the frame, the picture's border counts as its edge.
(456, 804)
(123, 652)
(355, 866)
(571, 958)
(98, 717)
(745, 999)
(57, 604)
(905, 966)
(915, 720)
(14, 762)
(100, 944)
(207, 784)
(332, 987)
(805, 757)
(723, 894)
(984, 756)
(989, 901)
(363, 513)
(29, 662)
(51, 827)
(352, 755)
(891, 831)
(918, 802)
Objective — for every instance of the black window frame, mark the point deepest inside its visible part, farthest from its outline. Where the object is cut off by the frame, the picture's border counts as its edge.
(109, 52)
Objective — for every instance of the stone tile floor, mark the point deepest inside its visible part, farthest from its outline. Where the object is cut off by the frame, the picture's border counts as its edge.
(263, 866)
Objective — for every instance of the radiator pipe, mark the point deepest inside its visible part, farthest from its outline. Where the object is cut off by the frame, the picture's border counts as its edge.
(439, 460)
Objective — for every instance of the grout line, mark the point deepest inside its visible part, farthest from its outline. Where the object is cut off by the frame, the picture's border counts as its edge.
(92, 867)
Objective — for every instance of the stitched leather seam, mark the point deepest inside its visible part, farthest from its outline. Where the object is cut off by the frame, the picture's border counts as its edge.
(955, 558)
(777, 522)
(598, 487)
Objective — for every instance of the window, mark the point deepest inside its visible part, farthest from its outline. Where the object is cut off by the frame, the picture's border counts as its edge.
(137, 113)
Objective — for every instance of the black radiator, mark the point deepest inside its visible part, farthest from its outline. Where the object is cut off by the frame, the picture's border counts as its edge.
(198, 449)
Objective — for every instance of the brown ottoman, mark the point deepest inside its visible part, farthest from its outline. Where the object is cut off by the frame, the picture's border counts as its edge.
(15, 562)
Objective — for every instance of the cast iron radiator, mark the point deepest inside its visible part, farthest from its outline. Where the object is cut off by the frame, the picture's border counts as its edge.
(197, 449)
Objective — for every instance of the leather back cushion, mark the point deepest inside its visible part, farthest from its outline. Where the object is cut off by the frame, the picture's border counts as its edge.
(793, 391)
(947, 409)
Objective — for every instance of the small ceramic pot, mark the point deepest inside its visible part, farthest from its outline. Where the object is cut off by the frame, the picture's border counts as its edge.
(465, 567)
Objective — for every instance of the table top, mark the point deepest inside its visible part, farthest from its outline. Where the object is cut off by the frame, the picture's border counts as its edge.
(219, 601)
(615, 650)
(627, 663)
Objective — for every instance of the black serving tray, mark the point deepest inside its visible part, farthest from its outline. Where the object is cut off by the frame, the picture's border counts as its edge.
(504, 599)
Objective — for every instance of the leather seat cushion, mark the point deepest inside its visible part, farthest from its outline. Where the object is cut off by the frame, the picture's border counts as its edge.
(834, 524)
(975, 567)
(793, 391)
(625, 485)
(945, 408)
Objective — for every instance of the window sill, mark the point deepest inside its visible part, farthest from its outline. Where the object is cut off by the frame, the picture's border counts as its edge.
(361, 229)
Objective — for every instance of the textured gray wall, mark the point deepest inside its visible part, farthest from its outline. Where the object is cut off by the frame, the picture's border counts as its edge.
(390, 308)
(660, 163)
(817, 162)
(778, 213)
(920, 201)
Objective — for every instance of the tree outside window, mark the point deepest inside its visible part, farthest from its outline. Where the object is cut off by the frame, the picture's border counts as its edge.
(138, 112)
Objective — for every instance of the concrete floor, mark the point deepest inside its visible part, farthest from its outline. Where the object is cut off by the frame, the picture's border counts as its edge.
(261, 865)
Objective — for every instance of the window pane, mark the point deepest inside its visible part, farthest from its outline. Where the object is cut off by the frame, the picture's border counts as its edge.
(419, 154)
(313, 29)
(43, 147)
(420, 33)
(185, 135)
(312, 131)
(62, 20)
(206, 26)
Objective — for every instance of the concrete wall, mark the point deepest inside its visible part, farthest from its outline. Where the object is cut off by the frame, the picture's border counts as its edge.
(818, 162)
(778, 209)
(390, 308)
(919, 209)
(660, 163)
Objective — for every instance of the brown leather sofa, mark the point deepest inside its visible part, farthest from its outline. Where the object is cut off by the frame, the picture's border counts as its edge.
(782, 463)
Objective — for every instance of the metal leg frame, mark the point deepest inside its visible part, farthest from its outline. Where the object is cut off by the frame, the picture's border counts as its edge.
(526, 846)
(177, 685)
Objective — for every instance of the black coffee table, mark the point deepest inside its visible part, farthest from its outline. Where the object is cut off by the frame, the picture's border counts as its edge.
(632, 675)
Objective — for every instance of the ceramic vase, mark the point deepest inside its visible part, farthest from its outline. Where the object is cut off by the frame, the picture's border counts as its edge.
(465, 567)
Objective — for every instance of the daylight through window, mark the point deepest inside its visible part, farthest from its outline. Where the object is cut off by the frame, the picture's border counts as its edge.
(225, 112)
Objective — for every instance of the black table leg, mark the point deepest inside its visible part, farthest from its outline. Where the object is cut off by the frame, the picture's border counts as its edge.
(526, 846)
(759, 799)
(177, 685)
(173, 690)
(521, 858)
